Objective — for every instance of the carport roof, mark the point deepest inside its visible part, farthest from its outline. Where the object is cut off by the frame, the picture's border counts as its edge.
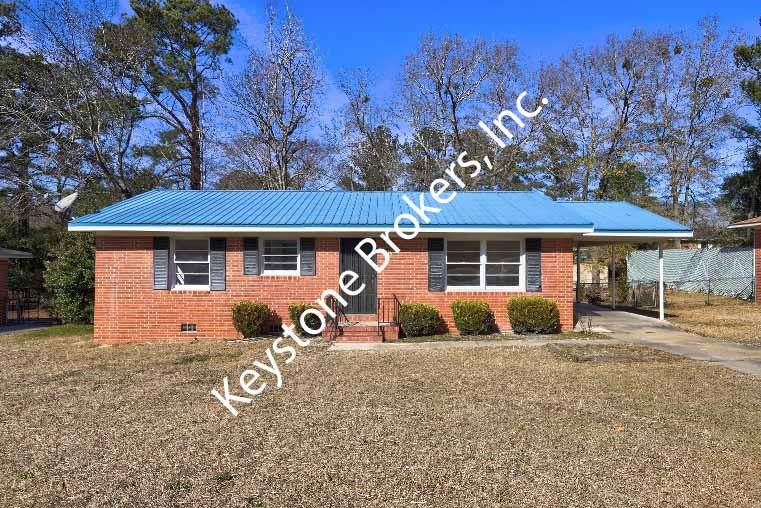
(621, 217)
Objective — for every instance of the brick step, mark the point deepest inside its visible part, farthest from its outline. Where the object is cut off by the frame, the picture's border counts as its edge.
(359, 330)
(359, 339)
(367, 333)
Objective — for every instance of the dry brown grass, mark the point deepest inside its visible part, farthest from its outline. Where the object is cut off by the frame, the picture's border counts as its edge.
(563, 425)
(725, 318)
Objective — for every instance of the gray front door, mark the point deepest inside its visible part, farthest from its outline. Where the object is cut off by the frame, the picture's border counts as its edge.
(365, 302)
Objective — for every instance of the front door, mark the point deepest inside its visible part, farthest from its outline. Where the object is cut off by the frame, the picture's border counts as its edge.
(365, 302)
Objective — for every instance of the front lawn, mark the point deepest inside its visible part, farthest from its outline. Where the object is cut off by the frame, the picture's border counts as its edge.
(565, 424)
(729, 319)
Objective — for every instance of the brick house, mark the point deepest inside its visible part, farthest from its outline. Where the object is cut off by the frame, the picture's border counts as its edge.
(6, 255)
(755, 225)
(170, 264)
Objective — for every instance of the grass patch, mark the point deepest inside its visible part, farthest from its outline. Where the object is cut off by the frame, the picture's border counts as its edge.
(458, 338)
(504, 336)
(725, 318)
(206, 357)
(225, 477)
(609, 353)
(579, 336)
(560, 425)
(49, 332)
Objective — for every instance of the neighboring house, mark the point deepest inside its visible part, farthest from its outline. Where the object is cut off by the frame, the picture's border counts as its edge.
(755, 224)
(5, 260)
(170, 264)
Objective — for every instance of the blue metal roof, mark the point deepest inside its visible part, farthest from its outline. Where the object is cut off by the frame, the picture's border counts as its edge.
(301, 210)
(620, 216)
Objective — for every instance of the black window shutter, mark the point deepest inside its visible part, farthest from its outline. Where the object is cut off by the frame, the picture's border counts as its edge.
(436, 265)
(217, 249)
(251, 256)
(308, 257)
(160, 262)
(533, 264)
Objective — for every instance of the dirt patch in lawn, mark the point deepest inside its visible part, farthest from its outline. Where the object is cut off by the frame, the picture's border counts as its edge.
(135, 425)
(609, 353)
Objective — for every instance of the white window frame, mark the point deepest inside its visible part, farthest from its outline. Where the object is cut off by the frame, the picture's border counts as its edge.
(521, 287)
(189, 287)
(266, 272)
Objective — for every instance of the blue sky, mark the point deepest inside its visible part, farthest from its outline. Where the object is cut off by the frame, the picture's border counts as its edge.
(379, 34)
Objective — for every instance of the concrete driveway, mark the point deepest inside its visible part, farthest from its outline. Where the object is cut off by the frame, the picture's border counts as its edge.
(635, 329)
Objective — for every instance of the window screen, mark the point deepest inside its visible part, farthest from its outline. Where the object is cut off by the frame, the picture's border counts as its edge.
(503, 263)
(464, 263)
(281, 256)
(191, 262)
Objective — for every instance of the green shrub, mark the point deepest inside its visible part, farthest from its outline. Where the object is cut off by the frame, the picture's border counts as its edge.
(70, 278)
(533, 314)
(251, 318)
(295, 310)
(472, 317)
(418, 319)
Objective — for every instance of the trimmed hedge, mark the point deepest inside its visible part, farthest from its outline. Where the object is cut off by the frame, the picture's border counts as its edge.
(295, 310)
(472, 317)
(251, 318)
(533, 314)
(418, 319)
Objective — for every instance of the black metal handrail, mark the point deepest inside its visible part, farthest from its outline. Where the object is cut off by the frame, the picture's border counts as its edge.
(387, 311)
(335, 322)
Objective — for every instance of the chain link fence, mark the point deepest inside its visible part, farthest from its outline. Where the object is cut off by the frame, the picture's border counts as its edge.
(644, 293)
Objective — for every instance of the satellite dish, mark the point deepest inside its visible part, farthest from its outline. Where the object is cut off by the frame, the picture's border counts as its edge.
(66, 202)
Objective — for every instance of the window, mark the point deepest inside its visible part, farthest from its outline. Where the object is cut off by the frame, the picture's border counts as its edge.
(484, 264)
(280, 257)
(503, 263)
(191, 263)
(464, 263)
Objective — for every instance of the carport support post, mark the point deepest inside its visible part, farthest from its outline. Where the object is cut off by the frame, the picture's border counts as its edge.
(661, 314)
(613, 275)
(578, 272)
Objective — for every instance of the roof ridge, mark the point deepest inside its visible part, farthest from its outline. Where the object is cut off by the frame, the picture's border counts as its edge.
(533, 191)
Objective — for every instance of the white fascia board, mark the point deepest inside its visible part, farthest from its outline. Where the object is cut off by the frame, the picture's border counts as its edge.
(265, 229)
(743, 226)
(640, 234)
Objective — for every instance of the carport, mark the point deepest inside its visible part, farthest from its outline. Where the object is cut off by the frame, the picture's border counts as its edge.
(619, 222)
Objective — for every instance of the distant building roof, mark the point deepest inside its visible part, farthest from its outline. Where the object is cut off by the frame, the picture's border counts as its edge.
(10, 253)
(325, 211)
(755, 222)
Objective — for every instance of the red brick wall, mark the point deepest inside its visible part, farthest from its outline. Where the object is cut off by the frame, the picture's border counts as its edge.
(407, 277)
(4, 264)
(757, 259)
(128, 309)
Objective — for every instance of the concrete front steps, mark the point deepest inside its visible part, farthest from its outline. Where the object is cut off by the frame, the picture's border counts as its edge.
(365, 332)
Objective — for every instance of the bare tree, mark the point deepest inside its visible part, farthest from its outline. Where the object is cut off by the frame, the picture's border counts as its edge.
(370, 151)
(93, 97)
(447, 85)
(692, 103)
(596, 99)
(276, 99)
